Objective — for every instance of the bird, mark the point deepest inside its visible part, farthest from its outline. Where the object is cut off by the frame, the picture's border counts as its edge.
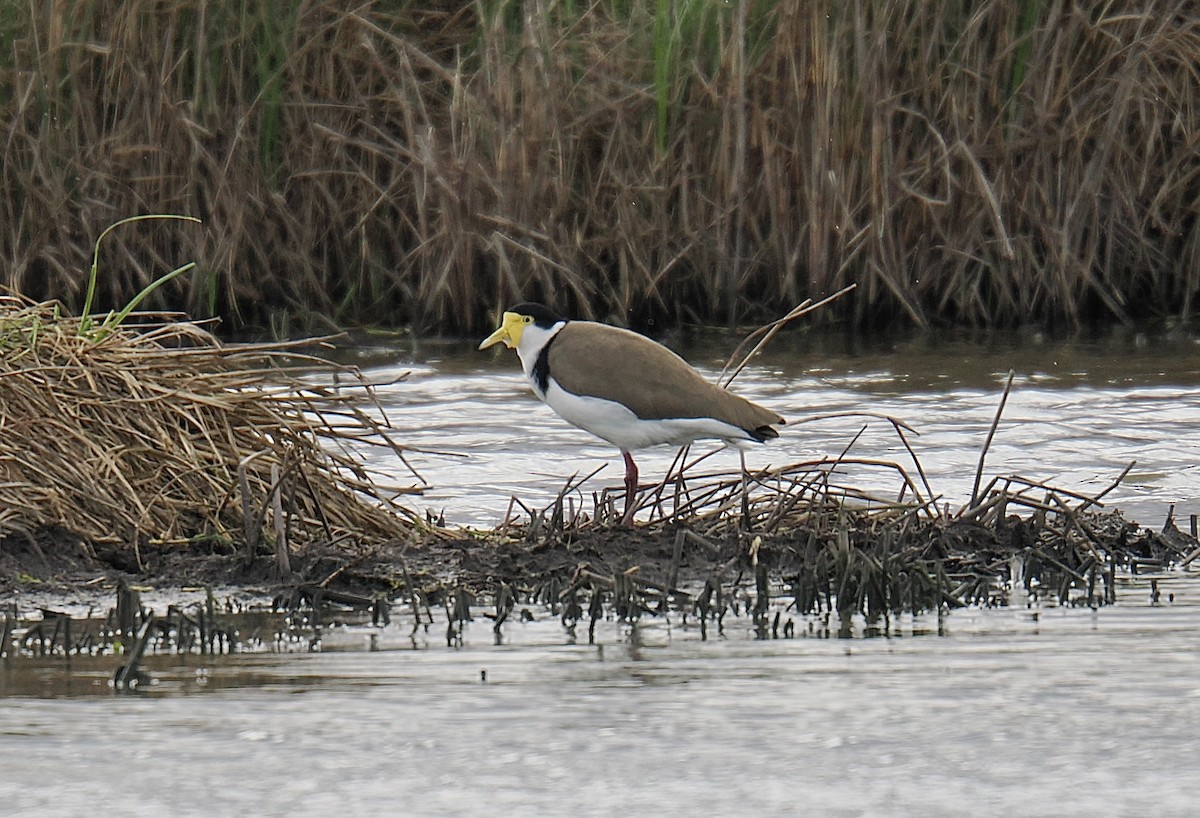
(625, 388)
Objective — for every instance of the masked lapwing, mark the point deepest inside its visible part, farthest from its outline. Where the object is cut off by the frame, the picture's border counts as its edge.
(624, 388)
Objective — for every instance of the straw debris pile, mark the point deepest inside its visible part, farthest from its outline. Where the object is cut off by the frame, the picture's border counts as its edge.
(160, 433)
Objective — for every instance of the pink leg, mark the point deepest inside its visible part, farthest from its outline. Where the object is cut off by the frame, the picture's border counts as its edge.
(631, 482)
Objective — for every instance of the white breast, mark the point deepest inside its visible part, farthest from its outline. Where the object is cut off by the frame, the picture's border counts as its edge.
(611, 421)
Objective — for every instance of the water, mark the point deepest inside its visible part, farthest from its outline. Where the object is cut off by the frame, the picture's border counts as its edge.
(1050, 711)
(1025, 711)
(1078, 414)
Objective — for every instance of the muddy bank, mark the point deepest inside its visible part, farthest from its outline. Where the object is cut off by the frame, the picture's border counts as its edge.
(867, 568)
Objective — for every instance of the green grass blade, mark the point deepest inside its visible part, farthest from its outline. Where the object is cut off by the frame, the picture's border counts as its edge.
(85, 321)
(114, 319)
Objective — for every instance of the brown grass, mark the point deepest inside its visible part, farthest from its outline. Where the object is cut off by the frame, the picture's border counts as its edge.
(161, 433)
(424, 162)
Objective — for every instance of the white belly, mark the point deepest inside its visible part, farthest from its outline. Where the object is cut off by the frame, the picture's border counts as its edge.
(609, 420)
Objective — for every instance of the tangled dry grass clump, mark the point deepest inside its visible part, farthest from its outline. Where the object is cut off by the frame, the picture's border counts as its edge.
(421, 161)
(157, 433)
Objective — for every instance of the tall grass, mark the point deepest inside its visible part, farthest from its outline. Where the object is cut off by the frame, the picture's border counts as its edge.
(422, 162)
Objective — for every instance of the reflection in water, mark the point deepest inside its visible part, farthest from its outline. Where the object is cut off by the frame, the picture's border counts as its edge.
(1078, 415)
(1083, 712)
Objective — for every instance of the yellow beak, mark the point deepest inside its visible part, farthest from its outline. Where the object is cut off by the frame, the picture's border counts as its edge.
(509, 332)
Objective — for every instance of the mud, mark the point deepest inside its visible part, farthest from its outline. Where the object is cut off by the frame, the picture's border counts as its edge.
(968, 562)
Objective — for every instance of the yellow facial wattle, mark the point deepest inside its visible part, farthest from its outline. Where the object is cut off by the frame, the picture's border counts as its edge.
(511, 327)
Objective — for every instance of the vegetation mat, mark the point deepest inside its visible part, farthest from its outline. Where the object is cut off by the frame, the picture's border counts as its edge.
(136, 440)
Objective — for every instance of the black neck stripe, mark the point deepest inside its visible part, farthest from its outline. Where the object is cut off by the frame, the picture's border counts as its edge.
(541, 367)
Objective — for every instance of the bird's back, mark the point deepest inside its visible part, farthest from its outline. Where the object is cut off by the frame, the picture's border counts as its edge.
(652, 381)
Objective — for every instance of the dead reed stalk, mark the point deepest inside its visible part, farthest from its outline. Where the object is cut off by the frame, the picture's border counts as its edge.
(420, 162)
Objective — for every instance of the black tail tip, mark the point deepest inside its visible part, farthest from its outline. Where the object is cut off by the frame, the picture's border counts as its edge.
(764, 433)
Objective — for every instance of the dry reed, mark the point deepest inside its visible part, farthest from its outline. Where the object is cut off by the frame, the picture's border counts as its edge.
(159, 433)
(424, 162)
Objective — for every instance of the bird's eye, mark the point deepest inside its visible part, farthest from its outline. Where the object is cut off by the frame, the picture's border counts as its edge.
(528, 319)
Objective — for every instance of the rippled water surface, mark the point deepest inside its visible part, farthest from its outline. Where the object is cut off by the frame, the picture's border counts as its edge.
(1026, 711)
(1078, 414)
(1046, 711)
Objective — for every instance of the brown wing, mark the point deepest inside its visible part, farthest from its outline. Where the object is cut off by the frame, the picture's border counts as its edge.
(607, 362)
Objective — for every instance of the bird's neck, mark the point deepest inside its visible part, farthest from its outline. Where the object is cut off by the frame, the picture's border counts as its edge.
(533, 340)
